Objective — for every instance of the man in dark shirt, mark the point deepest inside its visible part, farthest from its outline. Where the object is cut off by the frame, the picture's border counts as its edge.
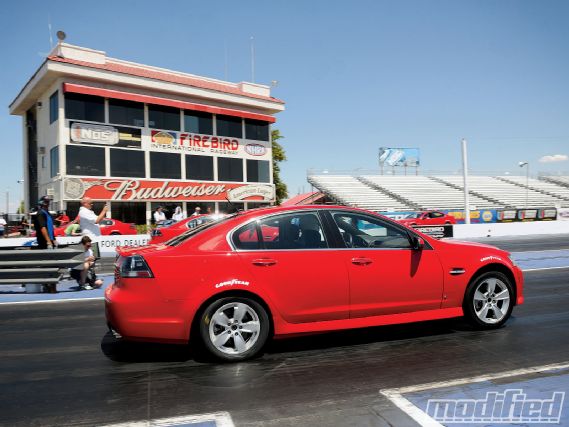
(43, 223)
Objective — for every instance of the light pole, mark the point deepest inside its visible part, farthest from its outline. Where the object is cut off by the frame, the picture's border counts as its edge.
(526, 164)
(465, 178)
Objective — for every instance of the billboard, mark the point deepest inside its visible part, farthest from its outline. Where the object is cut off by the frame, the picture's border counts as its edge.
(399, 157)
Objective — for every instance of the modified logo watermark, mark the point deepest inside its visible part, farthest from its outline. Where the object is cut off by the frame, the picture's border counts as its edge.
(511, 406)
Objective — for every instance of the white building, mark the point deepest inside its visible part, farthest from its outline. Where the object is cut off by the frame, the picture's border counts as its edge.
(140, 136)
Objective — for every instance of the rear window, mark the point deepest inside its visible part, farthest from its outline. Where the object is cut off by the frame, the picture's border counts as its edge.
(192, 232)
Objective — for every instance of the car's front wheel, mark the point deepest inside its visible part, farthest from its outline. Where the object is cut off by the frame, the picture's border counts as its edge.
(488, 302)
(234, 328)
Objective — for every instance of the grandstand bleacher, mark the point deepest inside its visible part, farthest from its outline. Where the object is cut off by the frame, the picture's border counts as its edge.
(418, 192)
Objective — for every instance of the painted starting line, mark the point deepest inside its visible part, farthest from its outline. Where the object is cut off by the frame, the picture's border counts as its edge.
(416, 400)
(218, 419)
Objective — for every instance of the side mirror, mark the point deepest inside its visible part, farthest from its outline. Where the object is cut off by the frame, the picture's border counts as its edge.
(418, 243)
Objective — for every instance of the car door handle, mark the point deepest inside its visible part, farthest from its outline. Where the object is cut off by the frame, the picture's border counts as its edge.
(264, 262)
(361, 261)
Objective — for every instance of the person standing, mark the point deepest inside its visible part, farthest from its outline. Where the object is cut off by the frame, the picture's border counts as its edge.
(43, 223)
(62, 218)
(178, 214)
(197, 211)
(89, 220)
(2, 226)
(159, 215)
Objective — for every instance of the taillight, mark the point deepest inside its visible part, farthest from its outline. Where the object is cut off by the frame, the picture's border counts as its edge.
(135, 266)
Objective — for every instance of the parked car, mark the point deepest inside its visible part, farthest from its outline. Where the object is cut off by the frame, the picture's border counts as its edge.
(164, 233)
(108, 226)
(226, 287)
(428, 218)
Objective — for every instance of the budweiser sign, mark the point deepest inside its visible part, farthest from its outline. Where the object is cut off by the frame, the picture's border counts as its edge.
(145, 190)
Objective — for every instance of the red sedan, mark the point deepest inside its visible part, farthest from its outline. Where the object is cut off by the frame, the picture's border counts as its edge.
(428, 218)
(163, 234)
(327, 268)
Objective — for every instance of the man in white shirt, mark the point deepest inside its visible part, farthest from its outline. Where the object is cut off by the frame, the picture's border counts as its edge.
(2, 225)
(159, 215)
(89, 220)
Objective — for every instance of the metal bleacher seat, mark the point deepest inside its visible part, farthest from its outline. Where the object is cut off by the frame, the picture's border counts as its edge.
(350, 191)
(426, 192)
(549, 188)
(508, 193)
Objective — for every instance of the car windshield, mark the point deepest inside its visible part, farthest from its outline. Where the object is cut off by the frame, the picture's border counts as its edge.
(193, 231)
(414, 215)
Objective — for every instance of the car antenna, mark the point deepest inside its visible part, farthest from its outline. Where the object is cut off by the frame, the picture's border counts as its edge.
(231, 205)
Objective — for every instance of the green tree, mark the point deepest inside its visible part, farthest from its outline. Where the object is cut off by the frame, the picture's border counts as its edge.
(278, 156)
(21, 207)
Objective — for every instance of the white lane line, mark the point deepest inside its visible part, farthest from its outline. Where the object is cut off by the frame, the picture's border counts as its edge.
(44, 301)
(221, 419)
(395, 395)
(544, 268)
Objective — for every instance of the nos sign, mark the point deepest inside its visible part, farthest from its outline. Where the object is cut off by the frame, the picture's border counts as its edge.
(94, 134)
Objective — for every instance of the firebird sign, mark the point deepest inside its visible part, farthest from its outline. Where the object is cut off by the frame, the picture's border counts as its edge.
(133, 190)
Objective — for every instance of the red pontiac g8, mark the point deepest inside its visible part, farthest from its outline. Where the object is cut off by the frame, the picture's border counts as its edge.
(230, 285)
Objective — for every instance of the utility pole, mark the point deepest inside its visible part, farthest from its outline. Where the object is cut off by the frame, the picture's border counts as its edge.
(465, 177)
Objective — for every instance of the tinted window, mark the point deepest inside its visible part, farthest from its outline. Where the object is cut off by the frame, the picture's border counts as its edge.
(258, 171)
(198, 122)
(199, 168)
(229, 169)
(84, 107)
(54, 161)
(163, 117)
(293, 231)
(361, 231)
(127, 163)
(165, 165)
(126, 112)
(229, 126)
(246, 237)
(88, 161)
(53, 107)
(256, 129)
(436, 215)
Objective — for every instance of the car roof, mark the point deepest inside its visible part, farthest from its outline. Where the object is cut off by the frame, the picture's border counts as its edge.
(277, 209)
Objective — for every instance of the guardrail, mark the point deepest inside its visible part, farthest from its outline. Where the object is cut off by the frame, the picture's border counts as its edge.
(38, 266)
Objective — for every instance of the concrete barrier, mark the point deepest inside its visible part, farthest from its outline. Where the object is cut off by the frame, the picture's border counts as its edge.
(511, 229)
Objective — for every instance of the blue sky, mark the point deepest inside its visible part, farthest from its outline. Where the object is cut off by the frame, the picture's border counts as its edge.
(355, 75)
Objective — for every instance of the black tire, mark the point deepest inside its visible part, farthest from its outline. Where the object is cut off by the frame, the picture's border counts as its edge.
(259, 340)
(468, 305)
(115, 233)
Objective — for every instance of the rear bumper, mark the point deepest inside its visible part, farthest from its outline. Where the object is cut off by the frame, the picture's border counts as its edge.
(140, 316)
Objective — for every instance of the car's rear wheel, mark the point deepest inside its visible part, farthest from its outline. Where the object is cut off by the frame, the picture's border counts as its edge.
(488, 302)
(115, 233)
(234, 328)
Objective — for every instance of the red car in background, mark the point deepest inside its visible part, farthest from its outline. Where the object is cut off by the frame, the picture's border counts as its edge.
(229, 289)
(428, 218)
(108, 226)
(163, 234)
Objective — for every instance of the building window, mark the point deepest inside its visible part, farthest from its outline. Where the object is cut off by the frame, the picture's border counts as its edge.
(197, 122)
(84, 107)
(256, 129)
(165, 165)
(89, 161)
(126, 112)
(229, 169)
(206, 208)
(53, 107)
(229, 126)
(43, 162)
(133, 212)
(199, 168)
(258, 171)
(163, 117)
(127, 163)
(54, 161)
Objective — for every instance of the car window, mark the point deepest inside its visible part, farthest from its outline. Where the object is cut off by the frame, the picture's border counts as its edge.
(436, 214)
(106, 222)
(361, 231)
(301, 230)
